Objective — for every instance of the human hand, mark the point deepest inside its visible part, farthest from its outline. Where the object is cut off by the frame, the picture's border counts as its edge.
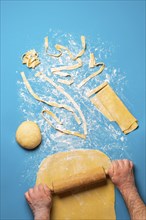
(121, 173)
(39, 199)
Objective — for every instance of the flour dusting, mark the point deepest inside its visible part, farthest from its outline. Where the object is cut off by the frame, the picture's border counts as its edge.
(102, 134)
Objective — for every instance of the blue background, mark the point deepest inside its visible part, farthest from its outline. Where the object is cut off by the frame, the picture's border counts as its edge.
(23, 24)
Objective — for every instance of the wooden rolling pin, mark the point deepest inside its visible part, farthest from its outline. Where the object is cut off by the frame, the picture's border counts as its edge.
(80, 180)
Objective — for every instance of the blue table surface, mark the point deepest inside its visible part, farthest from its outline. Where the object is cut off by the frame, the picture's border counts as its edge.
(24, 24)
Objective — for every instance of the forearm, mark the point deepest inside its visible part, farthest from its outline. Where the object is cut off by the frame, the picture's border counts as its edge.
(42, 217)
(136, 207)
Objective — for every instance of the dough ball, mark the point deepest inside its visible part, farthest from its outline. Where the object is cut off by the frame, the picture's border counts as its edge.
(28, 135)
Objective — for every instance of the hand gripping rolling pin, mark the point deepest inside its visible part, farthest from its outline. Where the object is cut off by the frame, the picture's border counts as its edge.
(78, 181)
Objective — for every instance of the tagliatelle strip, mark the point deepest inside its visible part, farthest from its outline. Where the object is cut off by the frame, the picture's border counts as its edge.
(72, 67)
(46, 44)
(55, 55)
(62, 74)
(97, 89)
(61, 47)
(52, 115)
(92, 75)
(66, 82)
(59, 129)
(31, 59)
(92, 61)
(83, 46)
(53, 104)
(76, 106)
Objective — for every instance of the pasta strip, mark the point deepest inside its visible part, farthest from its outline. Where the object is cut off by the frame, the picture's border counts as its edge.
(83, 46)
(61, 47)
(97, 89)
(46, 44)
(59, 129)
(72, 67)
(31, 59)
(62, 74)
(52, 115)
(92, 62)
(92, 75)
(60, 89)
(66, 82)
(53, 104)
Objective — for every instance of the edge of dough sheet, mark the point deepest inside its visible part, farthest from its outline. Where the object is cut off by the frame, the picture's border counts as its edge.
(112, 107)
(95, 203)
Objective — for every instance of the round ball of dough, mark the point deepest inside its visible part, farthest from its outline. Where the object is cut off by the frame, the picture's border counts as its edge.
(28, 135)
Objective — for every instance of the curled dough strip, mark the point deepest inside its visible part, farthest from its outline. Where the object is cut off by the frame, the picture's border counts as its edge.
(31, 59)
(72, 67)
(59, 129)
(52, 115)
(97, 89)
(76, 106)
(53, 104)
(61, 47)
(92, 62)
(62, 74)
(66, 82)
(92, 75)
(46, 44)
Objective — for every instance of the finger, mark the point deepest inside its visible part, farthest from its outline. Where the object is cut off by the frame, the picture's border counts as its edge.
(127, 163)
(27, 196)
(47, 190)
(110, 170)
(131, 164)
(36, 189)
(121, 163)
(40, 187)
(30, 192)
(115, 166)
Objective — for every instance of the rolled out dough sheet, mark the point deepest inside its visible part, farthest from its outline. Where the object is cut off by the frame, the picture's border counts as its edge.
(95, 203)
(110, 105)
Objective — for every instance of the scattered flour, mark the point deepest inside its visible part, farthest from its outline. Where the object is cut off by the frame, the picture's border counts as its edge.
(102, 134)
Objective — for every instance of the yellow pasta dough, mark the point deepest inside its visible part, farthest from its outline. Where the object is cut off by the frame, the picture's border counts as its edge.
(93, 203)
(28, 135)
(110, 105)
(31, 59)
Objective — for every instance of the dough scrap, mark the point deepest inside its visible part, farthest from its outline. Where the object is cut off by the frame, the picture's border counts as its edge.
(53, 104)
(72, 67)
(31, 59)
(28, 135)
(76, 106)
(62, 74)
(61, 47)
(46, 45)
(59, 122)
(110, 105)
(93, 74)
(66, 82)
(92, 62)
(95, 203)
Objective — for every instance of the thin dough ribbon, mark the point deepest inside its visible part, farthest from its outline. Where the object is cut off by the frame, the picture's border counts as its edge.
(72, 67)
(46, 44)
(53, 104)
(76, 106)
(59, 129)
(93, 74)
(31, 59)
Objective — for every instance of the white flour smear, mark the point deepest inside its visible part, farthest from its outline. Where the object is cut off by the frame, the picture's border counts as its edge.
(102, 134)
